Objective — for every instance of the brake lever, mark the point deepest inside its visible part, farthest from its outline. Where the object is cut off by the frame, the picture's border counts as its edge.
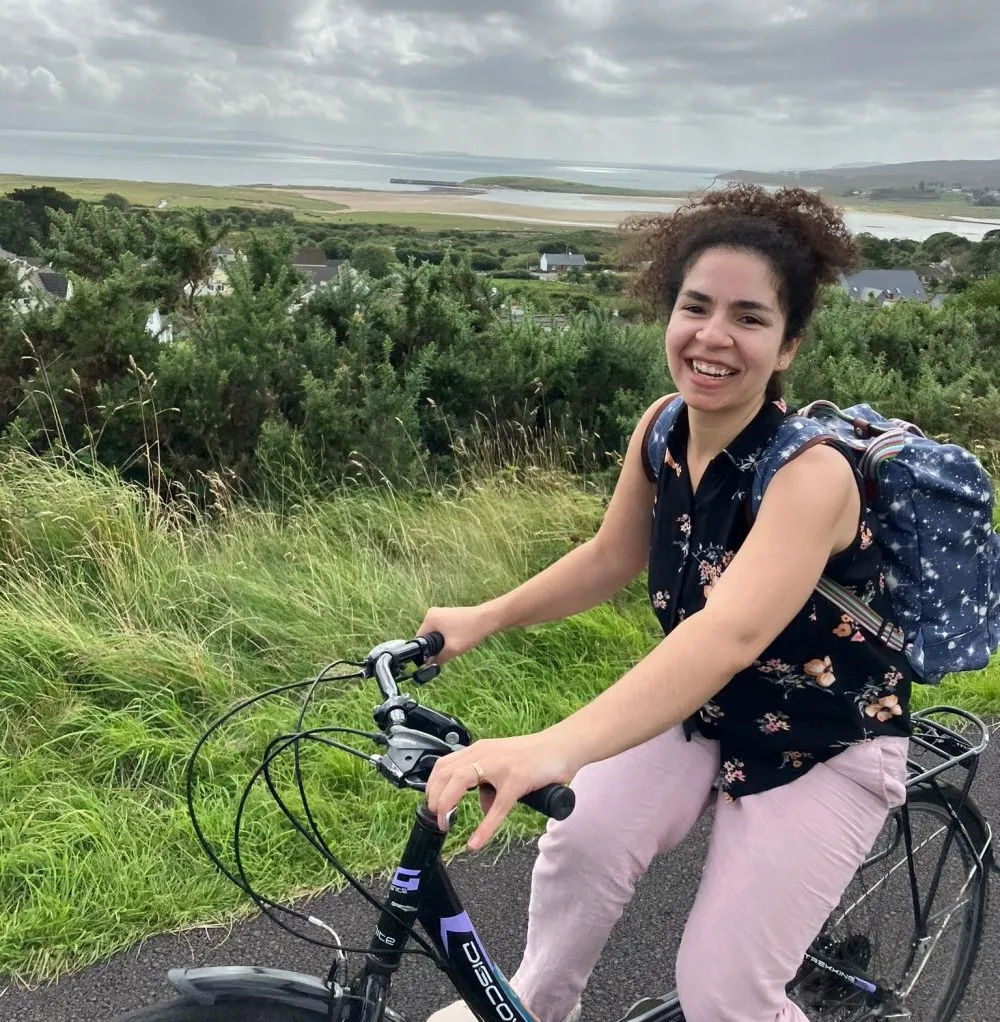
(425, 674)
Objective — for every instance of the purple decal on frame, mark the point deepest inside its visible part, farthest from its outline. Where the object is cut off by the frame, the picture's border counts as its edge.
(462, 924)
(406, 879)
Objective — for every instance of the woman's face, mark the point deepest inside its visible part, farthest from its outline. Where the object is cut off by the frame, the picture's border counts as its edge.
(724, 337)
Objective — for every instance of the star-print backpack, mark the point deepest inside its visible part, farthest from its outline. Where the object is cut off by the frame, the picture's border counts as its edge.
(934, 505)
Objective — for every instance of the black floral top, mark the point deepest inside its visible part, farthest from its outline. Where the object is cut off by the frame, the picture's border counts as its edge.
(823, 684)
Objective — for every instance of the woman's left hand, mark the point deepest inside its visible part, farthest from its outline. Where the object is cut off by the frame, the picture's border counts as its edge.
(504, 769)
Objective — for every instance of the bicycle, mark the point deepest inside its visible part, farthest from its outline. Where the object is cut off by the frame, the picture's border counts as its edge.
(853, 971)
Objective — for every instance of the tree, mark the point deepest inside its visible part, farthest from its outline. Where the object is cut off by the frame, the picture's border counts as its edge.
(91, 240)
(35, 203)
(373, 259)
(17, 229)
(610, 283)
(10, 286)
(185, 250)
(336, 247)
(115, 201)
(269, 261)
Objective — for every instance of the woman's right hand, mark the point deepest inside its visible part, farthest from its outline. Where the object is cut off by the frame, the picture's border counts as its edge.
(462, 628)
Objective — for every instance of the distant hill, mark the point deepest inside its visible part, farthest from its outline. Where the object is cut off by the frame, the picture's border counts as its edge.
(972, 174)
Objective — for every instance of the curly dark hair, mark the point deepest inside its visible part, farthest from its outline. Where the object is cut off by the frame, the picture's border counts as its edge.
(803, 238)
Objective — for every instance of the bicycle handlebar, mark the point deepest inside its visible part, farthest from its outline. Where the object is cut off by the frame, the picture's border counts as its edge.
(385, 662)
(554, 800)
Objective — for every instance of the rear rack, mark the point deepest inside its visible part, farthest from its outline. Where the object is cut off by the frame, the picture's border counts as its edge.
(936, 747)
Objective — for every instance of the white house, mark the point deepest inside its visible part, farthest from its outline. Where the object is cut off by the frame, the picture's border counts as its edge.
(557, 262)
(158, 327)
(216, 284)
(40, 285)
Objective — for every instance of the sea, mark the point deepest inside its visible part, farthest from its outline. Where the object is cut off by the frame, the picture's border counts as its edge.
(276, 161)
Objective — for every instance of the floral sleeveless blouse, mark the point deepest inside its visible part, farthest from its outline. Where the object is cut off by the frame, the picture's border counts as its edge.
(823, 684)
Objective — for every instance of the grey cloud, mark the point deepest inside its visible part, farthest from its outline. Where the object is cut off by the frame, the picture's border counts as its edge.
(261, 23)
(702, 66)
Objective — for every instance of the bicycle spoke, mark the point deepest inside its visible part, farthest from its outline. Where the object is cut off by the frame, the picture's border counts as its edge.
(873, 933)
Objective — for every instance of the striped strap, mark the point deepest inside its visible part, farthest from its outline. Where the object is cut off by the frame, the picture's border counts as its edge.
(887, 446)
(886, 632)
(879, 450)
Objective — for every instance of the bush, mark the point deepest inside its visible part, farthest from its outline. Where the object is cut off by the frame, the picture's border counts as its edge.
(373, 258)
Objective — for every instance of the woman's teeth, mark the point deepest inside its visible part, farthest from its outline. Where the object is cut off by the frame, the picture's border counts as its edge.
(707, 369)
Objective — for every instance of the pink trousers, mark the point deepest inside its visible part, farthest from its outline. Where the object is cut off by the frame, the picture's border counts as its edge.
(778, 863)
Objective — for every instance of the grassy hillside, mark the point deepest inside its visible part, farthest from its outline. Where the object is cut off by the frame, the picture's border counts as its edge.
(957, 173)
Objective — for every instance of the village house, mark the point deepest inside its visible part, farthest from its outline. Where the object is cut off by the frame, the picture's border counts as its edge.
(216, 284)
(312, 262)
(885, 286)
(559, 262)
(223, 255)
(40, 285)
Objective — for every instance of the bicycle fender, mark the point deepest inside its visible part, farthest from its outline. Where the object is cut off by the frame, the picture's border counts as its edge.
(229, 982)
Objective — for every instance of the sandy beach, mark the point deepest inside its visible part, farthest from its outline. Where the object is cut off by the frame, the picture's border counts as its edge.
(556, 208)
(565, 209)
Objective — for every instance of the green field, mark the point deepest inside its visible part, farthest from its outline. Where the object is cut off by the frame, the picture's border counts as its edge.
(124, 630)
(549, 184)
(945, 206)
(150, 193)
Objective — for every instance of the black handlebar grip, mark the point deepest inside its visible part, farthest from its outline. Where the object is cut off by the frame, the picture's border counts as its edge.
(554, 800)
(435, 642)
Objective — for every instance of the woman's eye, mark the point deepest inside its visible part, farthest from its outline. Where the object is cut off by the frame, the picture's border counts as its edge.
(693, 308)
(751, 319)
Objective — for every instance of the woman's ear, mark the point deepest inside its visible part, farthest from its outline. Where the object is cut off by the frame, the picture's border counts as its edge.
(788, 353)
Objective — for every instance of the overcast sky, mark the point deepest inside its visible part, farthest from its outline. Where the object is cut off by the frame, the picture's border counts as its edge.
(724, 83)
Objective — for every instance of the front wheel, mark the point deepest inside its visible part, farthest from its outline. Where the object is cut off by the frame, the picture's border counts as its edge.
(242, 1010)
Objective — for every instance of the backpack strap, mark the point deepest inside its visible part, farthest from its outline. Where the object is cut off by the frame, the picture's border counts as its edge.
(795, 436)
(654, 442)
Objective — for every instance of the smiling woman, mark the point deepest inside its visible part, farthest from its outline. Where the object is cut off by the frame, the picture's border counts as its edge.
(756, 689)
(799, 243)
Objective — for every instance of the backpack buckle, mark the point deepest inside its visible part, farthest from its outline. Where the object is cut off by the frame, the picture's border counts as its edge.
(891, 636)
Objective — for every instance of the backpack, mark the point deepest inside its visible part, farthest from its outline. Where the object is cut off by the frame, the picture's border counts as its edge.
(934, 506)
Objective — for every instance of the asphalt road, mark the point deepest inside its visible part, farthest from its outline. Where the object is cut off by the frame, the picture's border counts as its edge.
(638, 960)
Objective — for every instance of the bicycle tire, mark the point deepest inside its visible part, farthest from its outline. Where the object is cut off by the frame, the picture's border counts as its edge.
(244, 1009)
(929, 807)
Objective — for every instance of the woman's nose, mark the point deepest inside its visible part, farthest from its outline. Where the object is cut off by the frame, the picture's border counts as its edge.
(714, 330)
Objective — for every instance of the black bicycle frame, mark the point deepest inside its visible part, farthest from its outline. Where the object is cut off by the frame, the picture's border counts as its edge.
(421, 891)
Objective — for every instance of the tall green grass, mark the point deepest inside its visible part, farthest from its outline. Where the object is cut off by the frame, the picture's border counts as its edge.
(127, 625)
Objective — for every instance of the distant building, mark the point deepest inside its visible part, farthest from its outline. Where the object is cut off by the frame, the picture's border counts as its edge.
(314, 264)
(158, 327)
(885, 286)
(40, 285)
(557, 262)
(217, 284)
(224, 254)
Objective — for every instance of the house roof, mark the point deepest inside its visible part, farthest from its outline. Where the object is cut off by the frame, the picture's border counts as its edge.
(898, 283)
(223, 250)
(564, 259)
(320, 274)
(9, 257)
(309, 256)
(55, 283)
